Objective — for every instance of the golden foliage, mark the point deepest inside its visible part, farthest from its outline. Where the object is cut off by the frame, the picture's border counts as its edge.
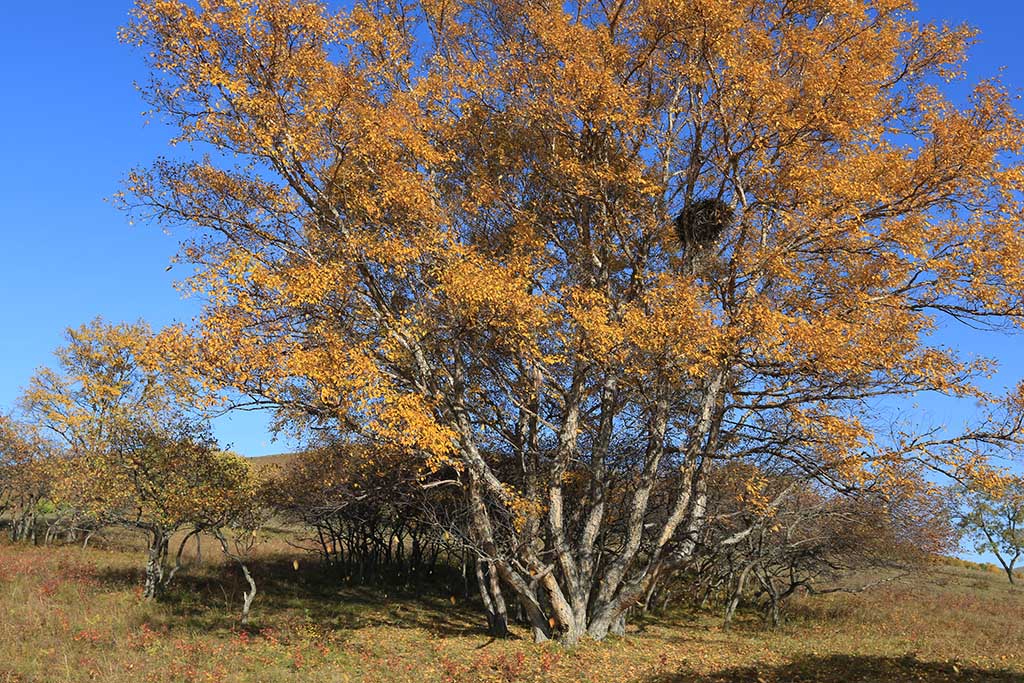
(448, 225)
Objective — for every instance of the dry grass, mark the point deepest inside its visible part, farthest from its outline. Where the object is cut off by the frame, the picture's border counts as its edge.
(68, 614)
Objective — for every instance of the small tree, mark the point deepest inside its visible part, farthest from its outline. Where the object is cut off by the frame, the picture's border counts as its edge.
(764, 547)
(23, 478)
(237, 541)
(133, 456)
(994, 520)
(157, 482)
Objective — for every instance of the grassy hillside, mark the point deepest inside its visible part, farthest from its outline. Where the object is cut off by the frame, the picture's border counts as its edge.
(76, 615)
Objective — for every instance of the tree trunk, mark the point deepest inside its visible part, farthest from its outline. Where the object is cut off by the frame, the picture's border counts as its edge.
(155, 564)
(619, 625)
(737, 593)
(494, 601)
(247, 596)
(22, 529)
(178, 566)
(776, 615)
(772, 609)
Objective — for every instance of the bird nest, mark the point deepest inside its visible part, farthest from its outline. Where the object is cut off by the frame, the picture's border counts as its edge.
(702, 222)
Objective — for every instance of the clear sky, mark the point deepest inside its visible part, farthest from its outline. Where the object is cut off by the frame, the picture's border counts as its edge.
(71, 126)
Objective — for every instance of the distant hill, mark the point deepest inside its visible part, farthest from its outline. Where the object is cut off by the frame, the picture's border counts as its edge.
(275, 459)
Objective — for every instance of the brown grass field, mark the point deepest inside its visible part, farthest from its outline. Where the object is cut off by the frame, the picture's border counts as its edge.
(68, 614)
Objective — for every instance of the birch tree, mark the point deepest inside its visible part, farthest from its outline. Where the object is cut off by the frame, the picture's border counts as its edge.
(584, 251)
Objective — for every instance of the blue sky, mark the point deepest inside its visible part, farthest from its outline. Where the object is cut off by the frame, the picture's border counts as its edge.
(71, 126)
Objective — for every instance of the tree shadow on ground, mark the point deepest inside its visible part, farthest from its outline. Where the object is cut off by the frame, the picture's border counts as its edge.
(119, 578)
(849, 669)
(209, 597)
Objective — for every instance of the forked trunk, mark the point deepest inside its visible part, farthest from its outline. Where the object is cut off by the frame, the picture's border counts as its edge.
(247, 595)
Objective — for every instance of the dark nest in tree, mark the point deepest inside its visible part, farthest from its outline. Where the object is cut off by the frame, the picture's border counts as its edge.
(701, 223)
